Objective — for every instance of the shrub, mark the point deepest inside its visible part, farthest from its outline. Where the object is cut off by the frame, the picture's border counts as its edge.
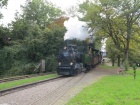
(51, 63)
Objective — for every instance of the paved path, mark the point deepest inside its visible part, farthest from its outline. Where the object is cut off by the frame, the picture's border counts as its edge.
(91, 77)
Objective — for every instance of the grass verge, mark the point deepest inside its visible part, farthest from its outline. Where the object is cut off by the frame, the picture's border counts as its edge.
(111, 90)
(11, 84)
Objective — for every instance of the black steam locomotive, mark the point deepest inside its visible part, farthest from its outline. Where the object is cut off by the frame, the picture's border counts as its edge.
(75, 59)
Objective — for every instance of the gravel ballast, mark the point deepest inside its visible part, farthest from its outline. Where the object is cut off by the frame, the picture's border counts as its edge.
(40, 95)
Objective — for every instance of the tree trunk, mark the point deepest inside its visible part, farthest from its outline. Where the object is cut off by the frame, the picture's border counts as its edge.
(118, 60)
(126, 61)
(129, 31)
(113, 62)
(127, 49)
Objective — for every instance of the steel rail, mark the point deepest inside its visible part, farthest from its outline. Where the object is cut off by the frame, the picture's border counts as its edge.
(21, 87)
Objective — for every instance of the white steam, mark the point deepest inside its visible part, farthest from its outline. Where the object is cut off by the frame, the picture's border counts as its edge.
(76, 29)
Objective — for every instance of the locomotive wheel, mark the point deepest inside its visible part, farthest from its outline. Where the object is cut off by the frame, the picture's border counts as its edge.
(75, 72)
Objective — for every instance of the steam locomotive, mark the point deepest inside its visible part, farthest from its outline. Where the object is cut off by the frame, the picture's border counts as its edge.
(74, 59)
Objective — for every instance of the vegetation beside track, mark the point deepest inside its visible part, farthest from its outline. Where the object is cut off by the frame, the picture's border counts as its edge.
(111, 90)
(11, 84)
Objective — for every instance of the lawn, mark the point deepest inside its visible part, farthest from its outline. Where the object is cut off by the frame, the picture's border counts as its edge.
(111, 90)
(25, 81)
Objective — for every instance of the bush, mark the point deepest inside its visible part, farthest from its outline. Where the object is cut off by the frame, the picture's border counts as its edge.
(29, 69)
(21, 69)
(6, 59)
(51, 63)
(14, 71)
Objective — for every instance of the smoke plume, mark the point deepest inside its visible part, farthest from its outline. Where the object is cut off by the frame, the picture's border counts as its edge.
(76, 29)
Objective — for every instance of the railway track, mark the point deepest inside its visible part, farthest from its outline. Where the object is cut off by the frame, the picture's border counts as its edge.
(55, 95)
(57, 92)
(18, 88)
(19, 77)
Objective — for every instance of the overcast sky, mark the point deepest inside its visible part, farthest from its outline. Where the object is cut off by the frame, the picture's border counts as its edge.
(14, 5)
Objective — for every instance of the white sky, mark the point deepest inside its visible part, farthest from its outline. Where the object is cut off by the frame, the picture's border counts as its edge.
(14, 5)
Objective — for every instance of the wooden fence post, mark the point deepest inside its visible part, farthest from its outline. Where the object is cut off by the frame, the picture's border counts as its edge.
(42, 65)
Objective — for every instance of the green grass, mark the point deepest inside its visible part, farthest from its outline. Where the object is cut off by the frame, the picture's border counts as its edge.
(25, 81)
(111, 90)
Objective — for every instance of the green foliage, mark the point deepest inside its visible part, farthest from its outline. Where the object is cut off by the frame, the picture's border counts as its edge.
(35, 35)
(29, 68)
(112, 51)
(37, 44)
(20, 29)
(7, 59)
(41, 12)
(134, 53)
(11, 60)
(22, 68)
(4, 35)
(126, 65)
(114, 19)
(54, 39)
(3, 3)
(51, 63)
(14, 71)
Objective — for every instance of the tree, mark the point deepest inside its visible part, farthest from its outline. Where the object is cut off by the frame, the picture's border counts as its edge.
(134, 52)
(40, 12)
(54, 37)
(131, 13)
(3, 30)
(34, 36)
(5, 36)
(72, 11)
(3, 3)
(29, 28)
(113, 52)
(7, 59)
(115, 18)
(20, 29)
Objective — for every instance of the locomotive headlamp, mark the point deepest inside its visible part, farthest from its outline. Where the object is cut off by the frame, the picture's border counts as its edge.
(59, 63)
(71, 63)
